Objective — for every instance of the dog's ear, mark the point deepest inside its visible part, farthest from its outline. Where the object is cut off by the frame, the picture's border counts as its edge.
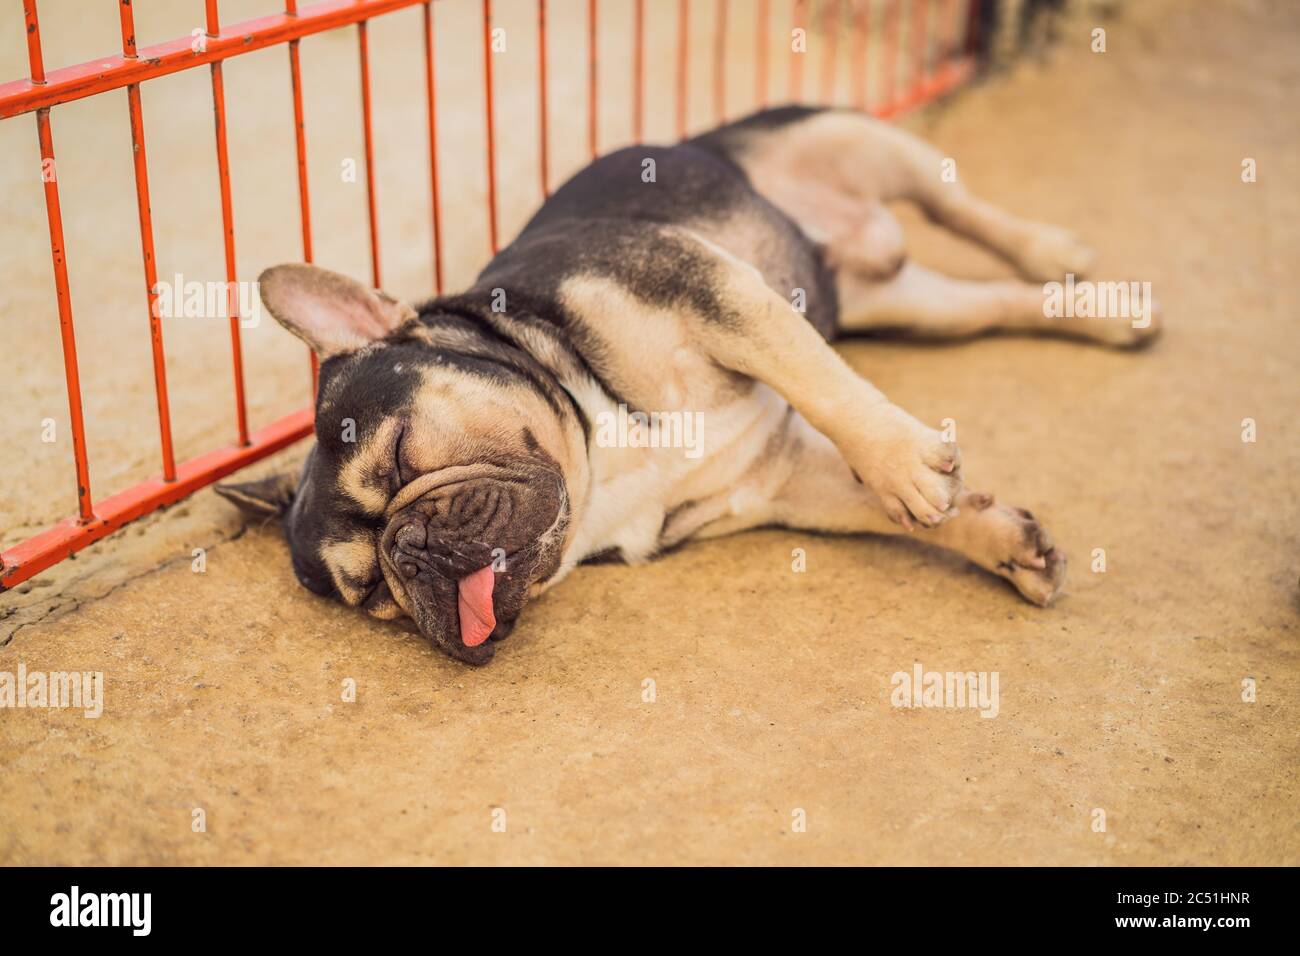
(330, 312)
(264, 498)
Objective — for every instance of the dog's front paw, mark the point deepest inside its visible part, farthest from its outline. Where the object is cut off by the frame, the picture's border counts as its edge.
(914, 472)
(1051, 253)
(1012, 544)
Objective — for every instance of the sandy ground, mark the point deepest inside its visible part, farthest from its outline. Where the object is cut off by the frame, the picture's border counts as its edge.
(771, 688)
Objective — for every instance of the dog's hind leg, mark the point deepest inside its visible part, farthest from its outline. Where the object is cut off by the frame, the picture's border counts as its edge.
(1038, 251)
(920, 303)
(821, 495)
(906, 167)
(835, 166)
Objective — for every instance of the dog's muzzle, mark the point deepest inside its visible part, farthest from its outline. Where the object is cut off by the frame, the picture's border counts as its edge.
(446, 585)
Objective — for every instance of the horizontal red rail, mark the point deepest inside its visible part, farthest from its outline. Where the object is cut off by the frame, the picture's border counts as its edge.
(947, 78)
(50, 547)
(43, 90)
(114, 72)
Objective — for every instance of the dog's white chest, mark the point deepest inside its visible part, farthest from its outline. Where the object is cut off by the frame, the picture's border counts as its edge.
(644, 472)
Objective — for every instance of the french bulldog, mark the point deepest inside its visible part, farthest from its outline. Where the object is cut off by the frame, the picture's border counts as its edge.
(472, 450)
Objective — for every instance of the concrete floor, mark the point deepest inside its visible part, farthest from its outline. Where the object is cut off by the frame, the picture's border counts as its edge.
(772, 688)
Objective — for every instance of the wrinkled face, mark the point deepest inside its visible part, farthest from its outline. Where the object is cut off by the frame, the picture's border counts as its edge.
(426, 494)
(432, 490)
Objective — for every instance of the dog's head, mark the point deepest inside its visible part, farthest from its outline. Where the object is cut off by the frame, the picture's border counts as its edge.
(437, 486)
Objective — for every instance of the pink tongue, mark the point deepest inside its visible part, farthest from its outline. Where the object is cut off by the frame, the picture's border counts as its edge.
(475, 603)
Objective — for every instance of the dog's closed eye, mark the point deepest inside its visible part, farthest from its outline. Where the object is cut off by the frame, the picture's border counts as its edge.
(389, 470)
(404, 473)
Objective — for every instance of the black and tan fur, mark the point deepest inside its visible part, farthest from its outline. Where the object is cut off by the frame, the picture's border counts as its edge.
(474, 414)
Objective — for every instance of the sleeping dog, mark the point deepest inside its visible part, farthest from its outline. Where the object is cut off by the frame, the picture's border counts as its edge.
(463, 460)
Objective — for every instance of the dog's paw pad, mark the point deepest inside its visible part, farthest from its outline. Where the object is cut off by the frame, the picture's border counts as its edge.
(1014, 545)
(1040, 585)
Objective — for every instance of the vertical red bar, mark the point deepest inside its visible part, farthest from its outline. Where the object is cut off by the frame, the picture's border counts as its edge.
(638, 70)
(592, 105)
(683, 42)
(920, 47)
(760, 58)
(228, 229)
(62, 293)
(720, 64)
(367, 129)
(796, 58)
(33, 30)
(830, 29)
(300, 143)
(892, 40)
(431, 101)
(543, 147)
(146, 244)
(861, 36)
(491, 131)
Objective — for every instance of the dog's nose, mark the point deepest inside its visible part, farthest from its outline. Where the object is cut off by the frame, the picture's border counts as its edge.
(412, 537)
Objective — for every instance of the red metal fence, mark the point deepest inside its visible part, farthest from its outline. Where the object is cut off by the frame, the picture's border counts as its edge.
(941, 34)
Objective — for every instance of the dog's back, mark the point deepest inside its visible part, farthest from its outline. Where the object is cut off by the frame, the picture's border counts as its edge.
(695, 186)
